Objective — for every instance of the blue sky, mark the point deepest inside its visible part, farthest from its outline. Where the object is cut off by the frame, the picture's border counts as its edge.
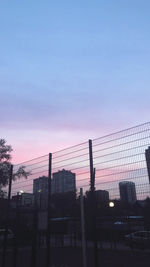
(71, 70)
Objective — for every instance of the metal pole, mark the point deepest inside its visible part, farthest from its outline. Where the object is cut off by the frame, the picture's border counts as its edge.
(83, 229)
(7, 217)
(49, 211)
(34, 236)
(15, 251)
(147, 155)
(93, 204)
(92, 181)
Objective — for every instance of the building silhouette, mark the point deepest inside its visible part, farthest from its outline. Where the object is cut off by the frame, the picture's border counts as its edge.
(23, 199)
(40, 185)
(102, 197)
(40, 191)
(63, 181)
(127, 191)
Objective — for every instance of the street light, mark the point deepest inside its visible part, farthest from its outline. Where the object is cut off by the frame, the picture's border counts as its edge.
(111, 204)
(21, 192)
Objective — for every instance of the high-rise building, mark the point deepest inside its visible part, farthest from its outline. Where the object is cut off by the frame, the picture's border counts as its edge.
(40, 185)
(127, 191)
(63, 181)
(102, 197)
(40, 191)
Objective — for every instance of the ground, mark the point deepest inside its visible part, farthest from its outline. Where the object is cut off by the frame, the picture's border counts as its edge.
(71, 257)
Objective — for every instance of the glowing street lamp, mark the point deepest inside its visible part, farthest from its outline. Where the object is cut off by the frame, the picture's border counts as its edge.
(111, 204)
(21, 192)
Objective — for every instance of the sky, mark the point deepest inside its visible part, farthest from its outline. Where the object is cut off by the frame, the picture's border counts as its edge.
(70, 71)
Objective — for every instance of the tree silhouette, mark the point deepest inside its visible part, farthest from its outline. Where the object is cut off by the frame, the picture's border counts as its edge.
(5, 164)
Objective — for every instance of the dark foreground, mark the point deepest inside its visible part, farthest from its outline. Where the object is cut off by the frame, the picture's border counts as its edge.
(70, 257)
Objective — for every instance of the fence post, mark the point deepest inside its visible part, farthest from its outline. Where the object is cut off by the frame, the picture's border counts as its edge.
(7, 216)
(93, 203)
(34, 237)
(83, 229)
(147, 156)
(15, 251)
(48, 239)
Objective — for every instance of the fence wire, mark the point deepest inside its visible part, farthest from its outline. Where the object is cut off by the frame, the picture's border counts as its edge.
(121, 157)
(35, 168)
(117, 157)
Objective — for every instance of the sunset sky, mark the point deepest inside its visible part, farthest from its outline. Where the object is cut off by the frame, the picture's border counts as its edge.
(71, 70)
